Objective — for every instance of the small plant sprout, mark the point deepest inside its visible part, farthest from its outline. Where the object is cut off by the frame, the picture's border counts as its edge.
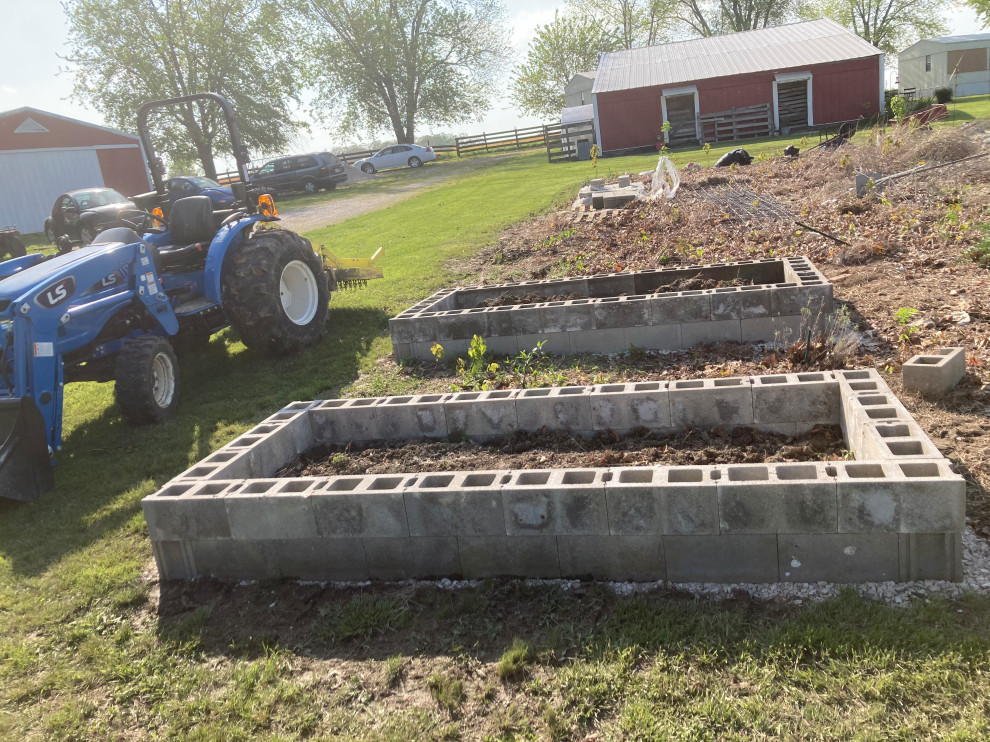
(595, 152)
(905, 314)
(437, 350)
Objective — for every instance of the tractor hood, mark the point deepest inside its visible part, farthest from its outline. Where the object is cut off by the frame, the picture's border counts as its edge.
(37, 277)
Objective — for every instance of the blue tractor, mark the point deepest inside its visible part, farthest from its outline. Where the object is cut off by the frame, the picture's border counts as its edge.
(114, 309)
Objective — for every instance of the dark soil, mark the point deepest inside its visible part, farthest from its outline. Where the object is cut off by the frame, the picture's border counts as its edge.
(513, 299)
(696, 282)
(546, 450)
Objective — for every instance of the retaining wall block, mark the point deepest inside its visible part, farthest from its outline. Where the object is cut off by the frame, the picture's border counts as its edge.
(470, 297)
(555, 408)
(412, 417)
(453, 349)
(456, 504)
(269, 509)
(740, 302)
(622, 407)
(803, 398)
(790, 300)
(419, 327)
(412, 558)
(662, 500)
(568, 316)
(481, 415)
(653, 337)
(509, 556)
(637, 558)
(838, 557)
(781, 498)
(716, 331)
(557, 343)
(721, 558)
(674, 308)
(524, 319)
(783, 330)
(341, 421)
(930, 556)
(336, 559)
(174, 559)
(368, 505)
(611, 284)
(188, 511)
(235, 559)
(921, 496)
(935, 374)
(622, 311)
(461, 324)
(555, 502)
(709, 403)
(402, 351)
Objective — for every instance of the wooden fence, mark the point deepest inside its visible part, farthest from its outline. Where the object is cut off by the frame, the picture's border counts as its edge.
(562, 142)
(531, 136)
(737, 123)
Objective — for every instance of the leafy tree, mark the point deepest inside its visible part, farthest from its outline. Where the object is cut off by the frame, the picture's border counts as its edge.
(383, 64)
(128, 52)
(633, 22)
(982, 8)
(890, 25)
(714, 17)
(560, 50)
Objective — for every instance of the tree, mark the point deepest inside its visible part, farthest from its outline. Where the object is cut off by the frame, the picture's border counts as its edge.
(382, 64)
(714, 17)
(982, 8)
(128, 52)
(560, 50)
(633, 22)
(890, 25)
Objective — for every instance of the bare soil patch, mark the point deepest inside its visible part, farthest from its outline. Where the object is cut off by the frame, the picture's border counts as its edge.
(507, 300)
(553, 450)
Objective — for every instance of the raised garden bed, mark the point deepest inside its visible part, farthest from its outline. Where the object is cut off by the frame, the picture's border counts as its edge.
(749, 301)
(896, 512)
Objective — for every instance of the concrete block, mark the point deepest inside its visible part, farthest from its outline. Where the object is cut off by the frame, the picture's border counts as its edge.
(412, 417)
(625, 181)
(524, 319)
(336, 559)
(174, 559)
(481, 415)
(653, 337)
(622, 311)
(740, 302)
(452, 350)
(235, 559)
(509, 556)
(597, 184)
(930, 556)
(598, 341)
(934, 375)
(402, 351)
(555, 502)
(618, 198)
(419, 327)
(567, 316)
(612, 558)
(456, 504)
(273, 515)
(460, 325)
(802, 398)
(662, 500)
(611, 284)
(784, 330)
(626, 406)
(786, 498)
(557, 343)
(412, 558)
(502, 346)
(790, 300)
(341, 421)
(708, 403)
(188, 516)
(353, 506)
(716, 331)
(721, 558)
(838, 557)
(680, 307)
(555, 408)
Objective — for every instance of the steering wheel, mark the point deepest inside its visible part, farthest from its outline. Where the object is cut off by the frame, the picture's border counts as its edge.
(158, 224)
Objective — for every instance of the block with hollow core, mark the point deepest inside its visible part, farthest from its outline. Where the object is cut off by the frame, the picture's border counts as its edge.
(551, 502)
(935, 374)
(456, 504)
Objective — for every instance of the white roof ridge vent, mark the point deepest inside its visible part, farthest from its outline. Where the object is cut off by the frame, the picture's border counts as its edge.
(30, 126)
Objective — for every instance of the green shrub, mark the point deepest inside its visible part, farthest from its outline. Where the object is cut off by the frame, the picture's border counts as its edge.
(943, 95)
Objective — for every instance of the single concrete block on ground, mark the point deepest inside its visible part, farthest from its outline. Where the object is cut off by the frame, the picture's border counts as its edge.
(709, 403)
(785, 498)
(337, 559)
(838, 557)
(637, 558)
(509, 556)
(555, 502)
(412, 558)
(935, 374)
(721, 558)
(235, 559)
(456, 504)
(175, 560)
(930, 556)
(716, 331)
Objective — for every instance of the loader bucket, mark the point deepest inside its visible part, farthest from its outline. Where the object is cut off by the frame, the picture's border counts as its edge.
(25, 469)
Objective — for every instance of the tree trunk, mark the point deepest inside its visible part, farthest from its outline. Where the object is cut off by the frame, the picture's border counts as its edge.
(204, 150)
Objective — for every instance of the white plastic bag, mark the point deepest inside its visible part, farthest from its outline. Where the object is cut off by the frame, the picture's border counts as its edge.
(665, 179)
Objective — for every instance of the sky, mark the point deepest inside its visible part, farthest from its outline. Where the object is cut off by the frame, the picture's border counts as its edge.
(32, 74)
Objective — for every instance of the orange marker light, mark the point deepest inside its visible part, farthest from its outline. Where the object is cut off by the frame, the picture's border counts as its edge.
(157, 211)
(266, 205)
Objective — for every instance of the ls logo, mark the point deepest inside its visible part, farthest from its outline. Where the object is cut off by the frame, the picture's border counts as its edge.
(57, 293)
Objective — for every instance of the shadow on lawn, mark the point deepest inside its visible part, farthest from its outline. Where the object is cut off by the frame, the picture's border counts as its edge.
(106, 466)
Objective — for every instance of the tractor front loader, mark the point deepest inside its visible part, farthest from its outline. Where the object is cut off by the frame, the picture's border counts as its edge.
(113, 309)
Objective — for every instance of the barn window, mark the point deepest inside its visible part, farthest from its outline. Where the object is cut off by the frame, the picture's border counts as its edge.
(928, 63)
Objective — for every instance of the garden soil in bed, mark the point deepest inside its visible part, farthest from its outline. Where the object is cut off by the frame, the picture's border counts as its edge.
(554, 450)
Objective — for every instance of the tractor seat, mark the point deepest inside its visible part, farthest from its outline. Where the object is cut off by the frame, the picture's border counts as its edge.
(192, 225)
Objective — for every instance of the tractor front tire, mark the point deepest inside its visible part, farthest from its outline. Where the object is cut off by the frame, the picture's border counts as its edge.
(275, 292)
(147, 380)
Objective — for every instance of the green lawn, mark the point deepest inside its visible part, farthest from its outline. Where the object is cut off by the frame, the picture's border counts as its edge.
(83, 655)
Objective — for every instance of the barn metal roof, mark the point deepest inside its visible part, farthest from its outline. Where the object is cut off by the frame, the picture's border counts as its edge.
(766, 49)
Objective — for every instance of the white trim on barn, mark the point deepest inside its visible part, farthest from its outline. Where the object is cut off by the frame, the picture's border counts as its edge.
(598, 131)
(673, 93)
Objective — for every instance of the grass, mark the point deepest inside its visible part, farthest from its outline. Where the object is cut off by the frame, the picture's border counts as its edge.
(87, 651)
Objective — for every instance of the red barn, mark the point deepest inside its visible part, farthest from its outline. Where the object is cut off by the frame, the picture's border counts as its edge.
(43, 155)
(752, 83)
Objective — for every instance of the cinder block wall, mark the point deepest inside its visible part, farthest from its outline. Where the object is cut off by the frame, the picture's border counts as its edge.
(895, 513)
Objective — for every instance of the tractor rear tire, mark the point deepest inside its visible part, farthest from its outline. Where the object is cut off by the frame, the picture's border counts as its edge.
(147, 380)
(275, 292)
(11, 247)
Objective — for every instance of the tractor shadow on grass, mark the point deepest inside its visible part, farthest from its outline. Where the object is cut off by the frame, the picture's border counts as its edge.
(106, 466)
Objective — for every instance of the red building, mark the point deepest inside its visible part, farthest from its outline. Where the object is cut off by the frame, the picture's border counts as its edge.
(43, 155)
(786, 77)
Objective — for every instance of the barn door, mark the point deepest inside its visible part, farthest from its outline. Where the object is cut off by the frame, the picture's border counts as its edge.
(792, 104)
(681, 115)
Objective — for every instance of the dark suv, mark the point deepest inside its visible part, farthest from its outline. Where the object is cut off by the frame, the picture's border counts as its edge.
(307, 173)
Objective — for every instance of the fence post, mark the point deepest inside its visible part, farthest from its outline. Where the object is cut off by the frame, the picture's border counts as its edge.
(457, 145)
(517, 138)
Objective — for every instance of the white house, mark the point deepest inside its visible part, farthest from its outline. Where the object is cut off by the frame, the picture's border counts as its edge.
(961, 63)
